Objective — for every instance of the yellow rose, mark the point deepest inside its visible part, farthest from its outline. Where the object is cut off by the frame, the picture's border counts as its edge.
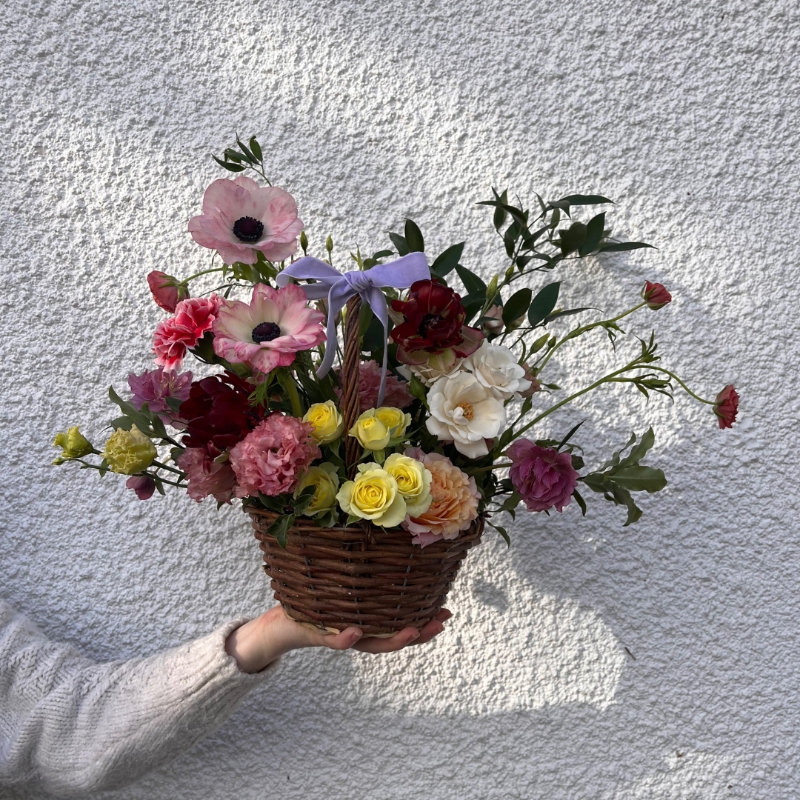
(373, 495)
(129, 452)
(395, 420)
(73, 445)
(326, 480)
(413, 482)
(370, 431)
(327, 421)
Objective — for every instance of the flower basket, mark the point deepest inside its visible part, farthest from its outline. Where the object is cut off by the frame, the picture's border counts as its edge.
(373, 420)
(377, 580)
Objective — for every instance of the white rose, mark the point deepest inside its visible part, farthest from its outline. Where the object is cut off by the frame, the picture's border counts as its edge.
(434, 367)
(495, 367)
(466, 412)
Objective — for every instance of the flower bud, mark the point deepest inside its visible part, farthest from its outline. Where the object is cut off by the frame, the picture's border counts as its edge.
(492, 321)
(530, 375)
(73, 445)
(166, 290)
(329, 244)
(327, 421)
(304, 242)
(655, 295)
(726, 406)
(144, 486)
(129, 452)
(371, 433)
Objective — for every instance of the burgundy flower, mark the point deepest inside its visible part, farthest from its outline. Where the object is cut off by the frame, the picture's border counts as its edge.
(143, 486)
(543, 477)
(655, 295)
(433, 321)
(726, 406)
(166, 290)
(217, 413)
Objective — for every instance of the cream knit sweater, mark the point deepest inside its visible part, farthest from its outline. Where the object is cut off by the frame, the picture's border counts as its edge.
(70, 726)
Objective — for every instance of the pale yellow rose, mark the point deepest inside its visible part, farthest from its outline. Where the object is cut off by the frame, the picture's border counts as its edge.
(325, 479)
(370, 431)
(129, 452)
(373, 495)
(73, 445)
(327, 421)
(413, 482)
(394, 419)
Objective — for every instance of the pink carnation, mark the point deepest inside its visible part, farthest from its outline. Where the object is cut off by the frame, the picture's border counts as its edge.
(206, 476)
(267, 333)
(543, 477)
(273, 457)
(155, 386)
(241, 218)
(454, 505)
(193, 320)
(369, 383)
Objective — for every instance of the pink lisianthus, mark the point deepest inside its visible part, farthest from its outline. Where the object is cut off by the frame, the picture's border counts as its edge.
(655, 295)
(267, 333)
(142, 485)
(206, 476)
(273, 457)
(454, 504)
(155, 386)
(166, 290)
(369, 384)
(543, 477)
(240, 218)
(174, 336)
(726, 406)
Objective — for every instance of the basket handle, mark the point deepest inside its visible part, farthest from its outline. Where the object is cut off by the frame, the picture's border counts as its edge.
(348, 377)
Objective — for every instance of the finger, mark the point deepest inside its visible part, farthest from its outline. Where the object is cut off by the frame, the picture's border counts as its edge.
(434, 627)
(341, 641)
(389, 645)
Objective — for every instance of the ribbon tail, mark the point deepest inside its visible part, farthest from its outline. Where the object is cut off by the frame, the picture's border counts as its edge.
(337, 297)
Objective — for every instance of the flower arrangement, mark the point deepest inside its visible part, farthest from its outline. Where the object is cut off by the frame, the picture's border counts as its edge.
(446, 385)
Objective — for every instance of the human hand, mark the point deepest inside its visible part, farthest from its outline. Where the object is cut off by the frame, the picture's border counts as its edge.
(260, 641)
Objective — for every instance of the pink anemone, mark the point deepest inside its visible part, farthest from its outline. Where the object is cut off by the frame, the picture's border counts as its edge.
(240, 218)
(267, 333)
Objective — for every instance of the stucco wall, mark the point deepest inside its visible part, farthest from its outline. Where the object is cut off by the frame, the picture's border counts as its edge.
(687, 115)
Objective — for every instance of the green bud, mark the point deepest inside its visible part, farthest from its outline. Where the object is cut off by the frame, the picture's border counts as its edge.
(304, 242)
(329, 244)
(73, 445)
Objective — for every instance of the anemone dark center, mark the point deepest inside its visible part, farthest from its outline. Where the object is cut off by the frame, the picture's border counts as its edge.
(428, 321)
(266, 332)
(247, 229)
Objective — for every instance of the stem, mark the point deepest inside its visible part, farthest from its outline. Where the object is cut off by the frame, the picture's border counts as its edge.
(585, 329)
(290, 387)
(605, 379)
(682, 384)
(168, 469)
(488, 469)
(204, 272)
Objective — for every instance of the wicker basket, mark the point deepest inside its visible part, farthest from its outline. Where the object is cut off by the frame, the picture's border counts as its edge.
(359, 575)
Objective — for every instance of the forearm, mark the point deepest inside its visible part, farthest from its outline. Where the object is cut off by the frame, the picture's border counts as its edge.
(98, 726)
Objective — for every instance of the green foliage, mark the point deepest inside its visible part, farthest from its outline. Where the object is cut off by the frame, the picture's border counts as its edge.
(413, 235)
(447, 261)
(621, 475)
(544, 302)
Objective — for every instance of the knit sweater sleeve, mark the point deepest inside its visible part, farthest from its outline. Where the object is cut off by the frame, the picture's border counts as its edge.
(71, 726)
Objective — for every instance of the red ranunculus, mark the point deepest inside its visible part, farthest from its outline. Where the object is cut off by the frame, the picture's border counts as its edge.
(167, 291)
(655, 295)
(433, 321)
(217, 413)
(726, 406)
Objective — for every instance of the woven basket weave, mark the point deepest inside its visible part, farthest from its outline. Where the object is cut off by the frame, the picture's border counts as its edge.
(359, 575)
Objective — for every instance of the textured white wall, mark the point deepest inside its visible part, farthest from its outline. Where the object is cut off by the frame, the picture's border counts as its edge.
(687, 115)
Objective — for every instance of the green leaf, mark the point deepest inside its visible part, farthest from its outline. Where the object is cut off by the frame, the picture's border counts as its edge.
(502, 531)
(640, 479)
(247, 154)
(447, 261)
(229, 166)
(572, 238)
(566, 313)
(569, 435)
(303, 500)
(614, 460)
(416, 244)
(594, 233)
(255, 148)
(619, 247)
(544, 302)
(232, 155)
(280, 529)
(586, 199)
(511, 502)
(400, 243)
(472, 283)
(640, 450)
(580, 501)
(517, 305)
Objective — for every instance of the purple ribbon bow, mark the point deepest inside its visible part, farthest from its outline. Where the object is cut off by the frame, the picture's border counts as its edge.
(339, 288)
